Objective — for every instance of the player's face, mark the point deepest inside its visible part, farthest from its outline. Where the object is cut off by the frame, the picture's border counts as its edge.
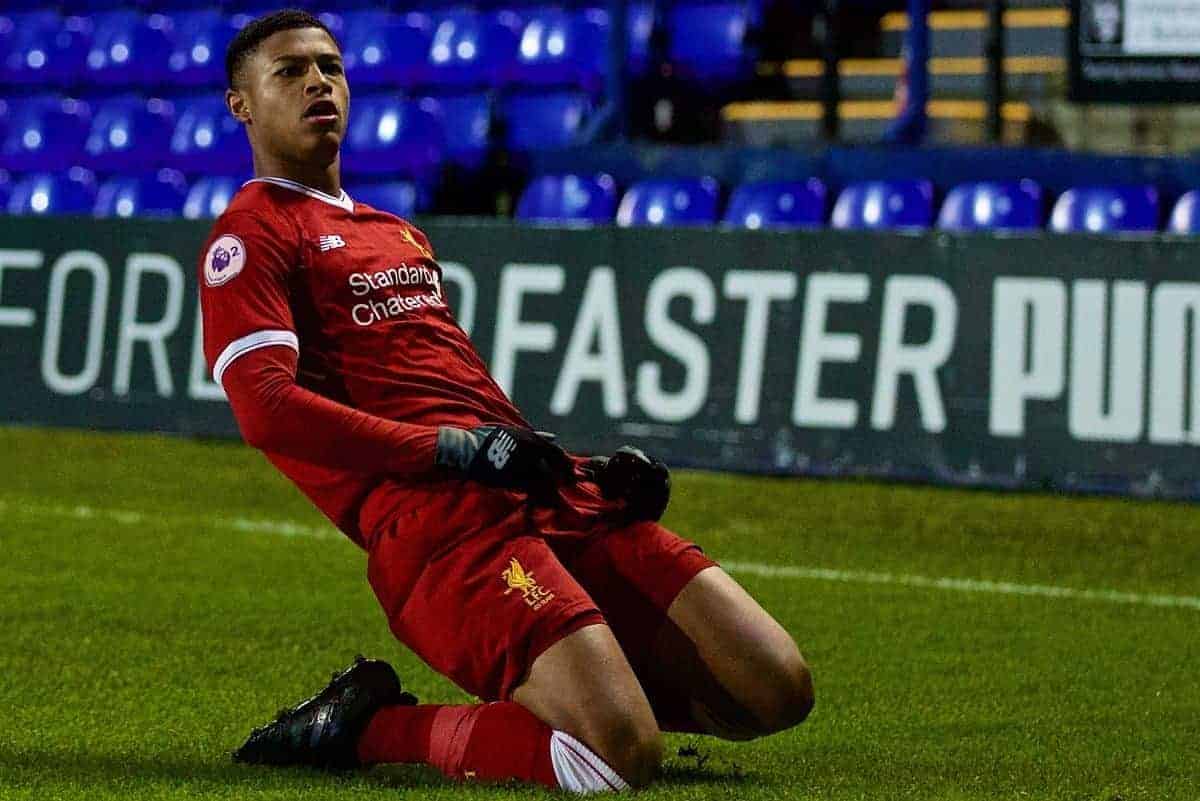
(297, 96)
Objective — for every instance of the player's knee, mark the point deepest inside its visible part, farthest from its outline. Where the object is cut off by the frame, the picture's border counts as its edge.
(632, 747)
(643, 756)
(785, 697)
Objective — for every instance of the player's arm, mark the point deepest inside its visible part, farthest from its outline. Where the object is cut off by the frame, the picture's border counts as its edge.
(251, 344)
(275, 414)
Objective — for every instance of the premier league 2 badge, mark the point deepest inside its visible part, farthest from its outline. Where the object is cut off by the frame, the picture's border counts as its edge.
(226, 258)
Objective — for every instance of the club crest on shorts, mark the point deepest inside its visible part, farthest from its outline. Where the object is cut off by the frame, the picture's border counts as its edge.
(532, 593)
(225, 259)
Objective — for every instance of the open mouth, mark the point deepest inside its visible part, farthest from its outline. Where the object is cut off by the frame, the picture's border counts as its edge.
(321, 111)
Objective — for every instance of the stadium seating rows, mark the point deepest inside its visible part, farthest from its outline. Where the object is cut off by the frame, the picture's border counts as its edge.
(113, 108)
(181, 44)
(402, 137)
(537, 70)
(882, 205)
(100, 100)
(581, 199)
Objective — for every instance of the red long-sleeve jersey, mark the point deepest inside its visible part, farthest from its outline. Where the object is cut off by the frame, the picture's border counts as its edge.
(326, 323)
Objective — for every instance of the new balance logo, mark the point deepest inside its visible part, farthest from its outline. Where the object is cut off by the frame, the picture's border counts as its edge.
(501, 449)
(331, 241)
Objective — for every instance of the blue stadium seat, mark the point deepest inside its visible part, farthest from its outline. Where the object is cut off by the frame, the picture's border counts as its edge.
(389, 135)
(207, 140)
(130, 49)
(987, 205)
(383, 49)
(70, 192)
(130, 134)
(1185, 219)
(708, 42)
(542, 122)
(467, 120)
(884, 205)
(569, 198)
(639, 26)
(563, 48)
(473, 50)
(15, 26)
(402, 198)
(42, 49)
(161, 194)
(209, 195)
(671, 202)
(198, 55)
(45, 133)
(778, 204)
(1106, 209)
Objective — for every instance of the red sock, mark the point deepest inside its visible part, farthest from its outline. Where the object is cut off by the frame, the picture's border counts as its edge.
(484, 742)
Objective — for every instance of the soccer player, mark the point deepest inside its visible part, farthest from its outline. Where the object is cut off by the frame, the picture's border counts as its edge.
(536, 580)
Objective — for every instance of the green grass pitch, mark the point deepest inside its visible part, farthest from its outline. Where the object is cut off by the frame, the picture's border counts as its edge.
(159, 597)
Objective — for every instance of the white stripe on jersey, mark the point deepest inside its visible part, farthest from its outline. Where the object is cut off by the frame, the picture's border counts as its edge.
(259, 339)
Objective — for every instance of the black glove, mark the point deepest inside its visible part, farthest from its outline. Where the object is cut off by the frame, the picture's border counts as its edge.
(643, 482)
(508, 458)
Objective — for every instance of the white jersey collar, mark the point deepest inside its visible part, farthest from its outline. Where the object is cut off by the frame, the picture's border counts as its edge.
(343, 201)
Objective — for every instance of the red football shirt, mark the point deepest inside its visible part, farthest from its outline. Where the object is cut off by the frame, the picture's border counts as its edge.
(356, 292)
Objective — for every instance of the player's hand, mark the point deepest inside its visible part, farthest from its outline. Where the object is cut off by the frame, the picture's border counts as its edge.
(643, 482)
(508, 458)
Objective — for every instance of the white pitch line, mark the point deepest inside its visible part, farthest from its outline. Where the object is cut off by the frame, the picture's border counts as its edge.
(962, 585)
(125, 517)
(289, 528)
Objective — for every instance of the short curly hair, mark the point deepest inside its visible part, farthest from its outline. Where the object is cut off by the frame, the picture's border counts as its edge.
(250, 37)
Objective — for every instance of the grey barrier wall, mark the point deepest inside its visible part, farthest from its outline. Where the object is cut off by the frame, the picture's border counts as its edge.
(1033, 361)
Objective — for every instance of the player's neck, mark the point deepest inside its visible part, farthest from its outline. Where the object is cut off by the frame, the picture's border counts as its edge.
(327, 179)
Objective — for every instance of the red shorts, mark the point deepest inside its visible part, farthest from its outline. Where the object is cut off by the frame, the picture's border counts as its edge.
(478, 587)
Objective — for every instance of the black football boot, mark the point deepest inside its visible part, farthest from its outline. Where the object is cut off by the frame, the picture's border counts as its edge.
(323, 731)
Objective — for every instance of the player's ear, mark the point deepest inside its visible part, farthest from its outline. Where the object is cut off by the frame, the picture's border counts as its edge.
(235, 101)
